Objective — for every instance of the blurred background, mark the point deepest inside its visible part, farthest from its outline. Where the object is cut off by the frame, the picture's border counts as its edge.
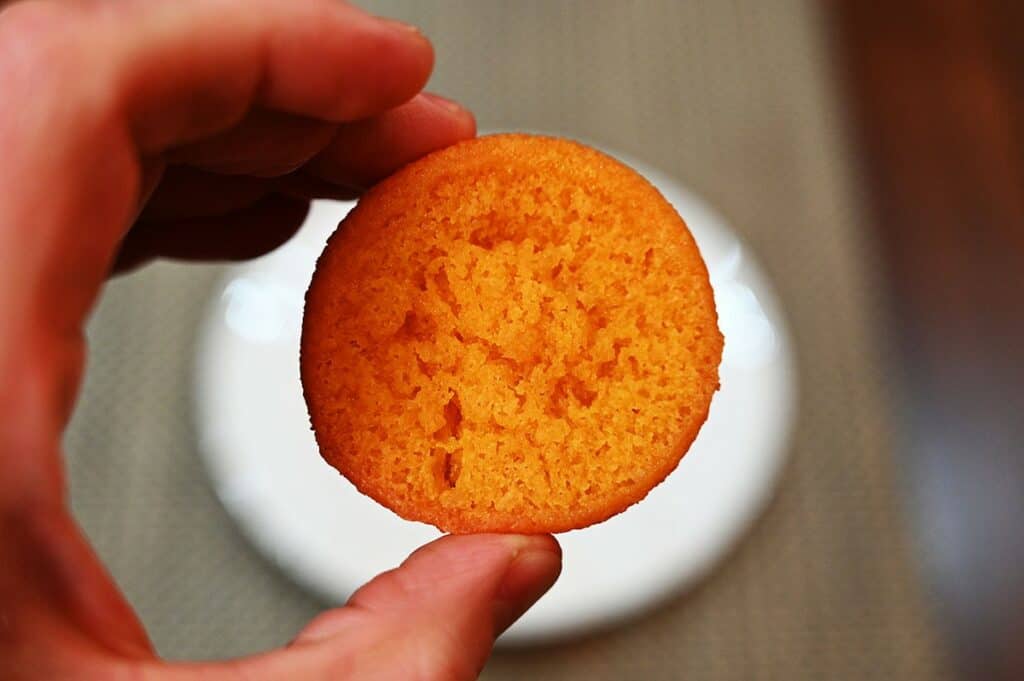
(872, 156)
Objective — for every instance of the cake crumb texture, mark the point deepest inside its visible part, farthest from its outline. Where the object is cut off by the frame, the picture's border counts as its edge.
(514, 334)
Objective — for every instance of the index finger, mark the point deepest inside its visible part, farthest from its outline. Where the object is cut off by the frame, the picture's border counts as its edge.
(100, 85)
(193, 67)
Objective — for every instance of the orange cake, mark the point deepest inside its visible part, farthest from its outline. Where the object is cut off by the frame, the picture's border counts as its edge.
(514, 334)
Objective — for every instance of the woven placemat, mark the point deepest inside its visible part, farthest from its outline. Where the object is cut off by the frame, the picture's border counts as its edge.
(736, 100)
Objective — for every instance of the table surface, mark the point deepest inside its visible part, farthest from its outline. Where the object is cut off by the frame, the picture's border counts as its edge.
(739, 100)
(937, 90)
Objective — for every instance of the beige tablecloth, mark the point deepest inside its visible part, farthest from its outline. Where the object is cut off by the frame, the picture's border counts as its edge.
(736, 99)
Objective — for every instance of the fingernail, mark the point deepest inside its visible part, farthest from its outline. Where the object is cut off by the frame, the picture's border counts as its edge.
(536, 566)
(400, 25)
(446, 104)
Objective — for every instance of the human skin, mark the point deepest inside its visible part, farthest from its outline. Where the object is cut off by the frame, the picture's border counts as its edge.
(200, 129)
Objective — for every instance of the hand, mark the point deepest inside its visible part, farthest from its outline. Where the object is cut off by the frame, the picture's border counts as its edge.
(132, 129)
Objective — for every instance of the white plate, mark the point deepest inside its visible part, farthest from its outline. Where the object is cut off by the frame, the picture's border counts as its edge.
(260, 452)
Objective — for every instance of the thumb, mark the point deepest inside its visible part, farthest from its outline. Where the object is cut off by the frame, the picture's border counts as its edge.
(435, 617)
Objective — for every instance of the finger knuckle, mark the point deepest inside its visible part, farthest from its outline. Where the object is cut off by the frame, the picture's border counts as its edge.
(34, 40)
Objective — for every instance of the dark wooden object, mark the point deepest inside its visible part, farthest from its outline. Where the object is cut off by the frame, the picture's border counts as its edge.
(935, 89)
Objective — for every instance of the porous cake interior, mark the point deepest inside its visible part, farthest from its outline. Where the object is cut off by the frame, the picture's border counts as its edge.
(521, 337)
